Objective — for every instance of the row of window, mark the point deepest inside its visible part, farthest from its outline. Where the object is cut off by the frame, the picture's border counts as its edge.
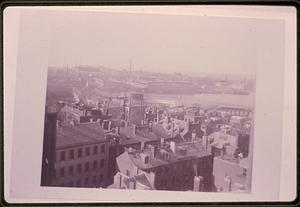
(86, 167)
(87, 152)
(87, 181)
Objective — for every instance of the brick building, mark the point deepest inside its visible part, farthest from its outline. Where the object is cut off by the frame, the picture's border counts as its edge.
(170, 166)
(74, 155)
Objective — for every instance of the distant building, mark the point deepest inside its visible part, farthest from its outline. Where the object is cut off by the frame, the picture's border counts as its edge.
(233, 111)
(170, 166)
(75, 114)
(222, 144)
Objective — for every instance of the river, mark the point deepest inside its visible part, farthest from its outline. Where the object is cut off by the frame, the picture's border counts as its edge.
(206, 100)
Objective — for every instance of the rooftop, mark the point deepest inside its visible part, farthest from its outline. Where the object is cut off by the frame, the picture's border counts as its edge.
(73, 135)
(184, 151)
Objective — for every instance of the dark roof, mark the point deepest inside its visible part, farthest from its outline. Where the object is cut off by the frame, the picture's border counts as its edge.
(73, 135)
(122, 140)
(192, 151)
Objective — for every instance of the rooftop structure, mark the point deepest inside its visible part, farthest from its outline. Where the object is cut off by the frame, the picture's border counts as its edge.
(169, 166)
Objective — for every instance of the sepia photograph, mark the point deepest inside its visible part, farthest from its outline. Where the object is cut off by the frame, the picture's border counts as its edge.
(154, 104)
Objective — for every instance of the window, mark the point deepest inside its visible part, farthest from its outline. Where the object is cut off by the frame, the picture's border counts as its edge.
(100, 178)
(78, 183)
(128, 173)
(71, 170)
(146, 160)
(79, 168)
(62, 156)
(86, 181)
(94, 180)
(95, 150)
(54, 173)
(71, 154)
(87, 151)
(70, 184)
(79, 152)
(102, 163)
(87, 167)
(95, 165)
(102, 148)
(62, 172)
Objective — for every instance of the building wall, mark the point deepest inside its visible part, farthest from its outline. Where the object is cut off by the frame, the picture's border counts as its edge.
(173, 177)
(114, 151)
(86, 170)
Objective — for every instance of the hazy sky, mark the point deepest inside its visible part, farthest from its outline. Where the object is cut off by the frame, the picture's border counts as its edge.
(170, 43)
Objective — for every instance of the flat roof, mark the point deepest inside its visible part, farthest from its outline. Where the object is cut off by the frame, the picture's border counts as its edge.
(77, 135)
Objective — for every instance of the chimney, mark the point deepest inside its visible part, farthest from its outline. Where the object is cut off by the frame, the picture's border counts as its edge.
(132, 183)
(72, 122)
(198, 184)
(150, 126)
(193, 135)
(134, 129)
(162, 141)
(173, 146)
(118, 180)
(135, 170)
(153, 150)
(145, 158)
(152, 179)
(109, 125)
(58, 124)
(142, 145)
